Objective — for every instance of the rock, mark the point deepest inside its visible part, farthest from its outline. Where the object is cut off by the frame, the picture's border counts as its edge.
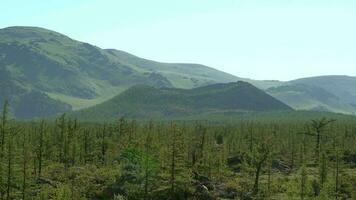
(281, 166)
(43, 181)
(234, 163)
(203, 180)
(235, 160)
(349, 157)
(203, 193)
(226, 192)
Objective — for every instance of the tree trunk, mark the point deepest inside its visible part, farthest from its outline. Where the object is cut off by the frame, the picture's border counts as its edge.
(257, 178)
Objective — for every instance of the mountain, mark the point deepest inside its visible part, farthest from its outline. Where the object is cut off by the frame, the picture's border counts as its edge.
(341, 86)
(43, 72)
(306, 97)
(324, 93)
(53, 73)
(142, 101)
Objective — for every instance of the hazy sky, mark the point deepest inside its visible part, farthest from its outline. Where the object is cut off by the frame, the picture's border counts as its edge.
(260, 39)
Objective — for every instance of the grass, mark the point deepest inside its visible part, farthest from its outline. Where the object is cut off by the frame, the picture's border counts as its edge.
(80, 103)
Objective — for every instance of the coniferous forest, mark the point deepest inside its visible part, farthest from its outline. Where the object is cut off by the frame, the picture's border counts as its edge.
(206, 160)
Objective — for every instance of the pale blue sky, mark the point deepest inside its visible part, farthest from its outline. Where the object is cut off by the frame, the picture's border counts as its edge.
(260, 39)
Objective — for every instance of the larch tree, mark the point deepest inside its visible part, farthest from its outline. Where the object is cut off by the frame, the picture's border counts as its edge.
(3, 135)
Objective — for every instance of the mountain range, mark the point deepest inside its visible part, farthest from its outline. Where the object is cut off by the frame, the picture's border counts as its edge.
(43, 73)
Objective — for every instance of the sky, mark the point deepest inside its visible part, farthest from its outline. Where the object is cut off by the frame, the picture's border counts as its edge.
(258, 39)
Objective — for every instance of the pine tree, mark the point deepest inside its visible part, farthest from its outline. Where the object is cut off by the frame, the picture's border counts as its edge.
(25, 159)
(260, 156)
(179, 176)
(10, 161)
(337, 174)
(86, 145)
(303, 182)
(40, 148)
(323, 170)
(318, 126)
(3, 135)
(103, 145)
(62, 137)
(149, 162)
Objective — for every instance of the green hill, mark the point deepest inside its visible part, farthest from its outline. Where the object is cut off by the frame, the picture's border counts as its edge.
(66, 74)
(43, 72)
(306, 97)
(341, 86)
(325, 93)
(148, 102)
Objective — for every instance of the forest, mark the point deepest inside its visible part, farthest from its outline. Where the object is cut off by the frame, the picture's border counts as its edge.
(131, 159)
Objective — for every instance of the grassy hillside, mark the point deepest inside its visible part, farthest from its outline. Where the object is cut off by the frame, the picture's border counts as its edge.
(180, 75)
(305, 97)
(148, 102)
(326, 93)
(71, 74)
(341, 86)
(63, 74)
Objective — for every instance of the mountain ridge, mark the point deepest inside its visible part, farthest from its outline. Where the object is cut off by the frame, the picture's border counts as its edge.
(142, 101)
(303, 93)
(80, 75)
(41, 65)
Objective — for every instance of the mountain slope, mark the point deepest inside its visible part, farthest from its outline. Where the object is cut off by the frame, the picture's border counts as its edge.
(306, 97)
(324, 93)
(43, 72)
(343, 87)
(71, 74)
(180, 75)
(148, 102)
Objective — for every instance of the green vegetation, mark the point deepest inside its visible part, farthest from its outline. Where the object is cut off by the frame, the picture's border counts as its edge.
(308, 97)
(325, 93)
(59, 68)
(139, 129)
(148, 102)
(340, 86)
(63, 75)
(248, 158)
